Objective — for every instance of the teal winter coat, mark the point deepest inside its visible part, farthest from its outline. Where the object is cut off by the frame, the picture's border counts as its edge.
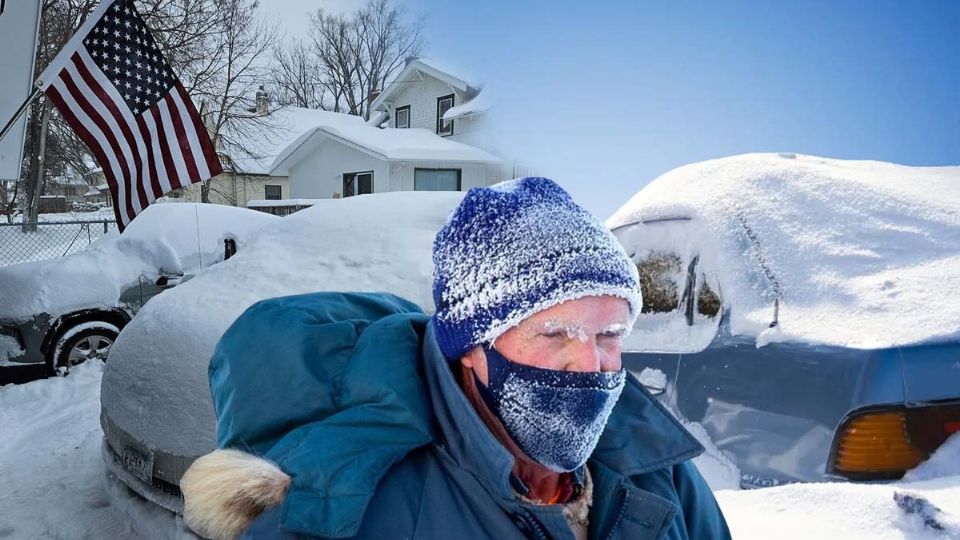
(349, 394)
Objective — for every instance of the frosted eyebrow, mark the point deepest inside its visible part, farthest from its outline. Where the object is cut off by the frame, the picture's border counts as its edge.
(579, 330)
(621, 329)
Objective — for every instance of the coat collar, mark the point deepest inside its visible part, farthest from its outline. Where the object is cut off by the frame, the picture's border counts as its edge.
(640, 437)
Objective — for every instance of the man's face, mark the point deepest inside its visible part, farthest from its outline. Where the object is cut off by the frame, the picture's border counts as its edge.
(578, 335)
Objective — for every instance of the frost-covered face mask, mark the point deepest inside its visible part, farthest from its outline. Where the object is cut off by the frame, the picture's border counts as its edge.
(556, 417)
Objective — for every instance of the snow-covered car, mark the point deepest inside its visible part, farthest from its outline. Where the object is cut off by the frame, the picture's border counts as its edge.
(804, 311)
(67, 310)
(157, 414)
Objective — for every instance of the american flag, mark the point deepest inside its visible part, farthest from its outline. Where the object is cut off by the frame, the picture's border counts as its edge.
(114, 88)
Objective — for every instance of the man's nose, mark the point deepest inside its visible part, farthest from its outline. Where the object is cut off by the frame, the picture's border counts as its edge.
(585, 356)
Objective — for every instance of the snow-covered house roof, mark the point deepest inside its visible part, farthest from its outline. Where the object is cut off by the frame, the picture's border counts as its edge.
(388, 144)
(253, 146)
(859, 253)
(68, 181)
(481, 103)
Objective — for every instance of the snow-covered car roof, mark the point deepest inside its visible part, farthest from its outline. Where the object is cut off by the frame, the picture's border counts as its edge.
(175, 237)
(157, 370)
(861, 254)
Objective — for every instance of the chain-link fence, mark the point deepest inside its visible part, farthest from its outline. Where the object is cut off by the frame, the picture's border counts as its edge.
(47, 240)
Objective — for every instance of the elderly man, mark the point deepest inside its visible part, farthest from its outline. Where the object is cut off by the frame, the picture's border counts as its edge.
(507, 414)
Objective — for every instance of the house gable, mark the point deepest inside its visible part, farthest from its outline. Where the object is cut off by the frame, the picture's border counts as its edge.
(419, 86)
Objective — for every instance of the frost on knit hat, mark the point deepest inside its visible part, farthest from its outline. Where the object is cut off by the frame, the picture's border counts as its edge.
(515, 249)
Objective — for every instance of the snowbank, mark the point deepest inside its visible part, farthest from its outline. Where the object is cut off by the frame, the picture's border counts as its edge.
(155, 386)
(173, 237)
(925, 510)
(50, 460)
(862, 254)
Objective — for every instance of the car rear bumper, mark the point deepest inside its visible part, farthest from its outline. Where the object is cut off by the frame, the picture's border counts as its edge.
(156, 495)
(152, 473)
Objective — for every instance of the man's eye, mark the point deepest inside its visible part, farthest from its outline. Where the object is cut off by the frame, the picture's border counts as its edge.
(613, 334)
(552, 334)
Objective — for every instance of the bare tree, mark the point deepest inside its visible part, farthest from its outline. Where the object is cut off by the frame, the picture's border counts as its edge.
(238, 53)
(358, 53)
(296, 76)
(50, 144)
(10, 199)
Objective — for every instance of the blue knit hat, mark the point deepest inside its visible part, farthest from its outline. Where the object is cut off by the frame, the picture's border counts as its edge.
(514, 249)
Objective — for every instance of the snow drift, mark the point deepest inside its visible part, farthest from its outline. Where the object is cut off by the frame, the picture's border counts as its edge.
(860, 254)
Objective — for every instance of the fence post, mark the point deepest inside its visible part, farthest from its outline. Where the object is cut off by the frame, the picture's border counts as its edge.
(104, 226)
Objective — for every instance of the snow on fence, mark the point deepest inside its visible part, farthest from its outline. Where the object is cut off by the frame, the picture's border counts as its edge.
(48, 239)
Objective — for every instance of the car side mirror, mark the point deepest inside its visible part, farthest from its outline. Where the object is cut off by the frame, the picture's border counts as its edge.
(655, 390)
(169, 281)
(653, 381)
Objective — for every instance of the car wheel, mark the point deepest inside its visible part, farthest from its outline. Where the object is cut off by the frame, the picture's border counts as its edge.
(85, 341)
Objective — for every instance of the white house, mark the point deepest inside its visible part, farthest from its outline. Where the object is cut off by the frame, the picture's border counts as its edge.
(344, 160)
(428, 130)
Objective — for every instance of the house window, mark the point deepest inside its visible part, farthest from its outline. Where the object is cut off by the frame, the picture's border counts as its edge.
(357, 183)
(444, 104)
(272, 193)
(436, 179)
(402, 117)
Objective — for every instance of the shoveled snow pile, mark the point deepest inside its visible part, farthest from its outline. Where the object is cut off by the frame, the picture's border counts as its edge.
(860, 253)
(376, 242)
(179, 237)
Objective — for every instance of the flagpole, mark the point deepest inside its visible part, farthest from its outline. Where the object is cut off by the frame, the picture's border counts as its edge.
(23, 107)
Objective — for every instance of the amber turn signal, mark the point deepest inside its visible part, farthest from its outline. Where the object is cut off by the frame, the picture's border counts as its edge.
(876, 444)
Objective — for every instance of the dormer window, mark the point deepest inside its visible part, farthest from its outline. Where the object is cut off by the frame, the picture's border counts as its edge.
(444, 104)
(401, 117)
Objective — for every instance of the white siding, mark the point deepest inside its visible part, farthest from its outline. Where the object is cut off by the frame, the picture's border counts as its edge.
(422, 99)
(320, 173)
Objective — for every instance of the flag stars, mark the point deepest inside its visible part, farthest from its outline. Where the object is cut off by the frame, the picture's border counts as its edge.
(121, 45)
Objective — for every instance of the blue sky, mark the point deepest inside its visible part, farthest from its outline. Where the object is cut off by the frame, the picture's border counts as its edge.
(606, 96)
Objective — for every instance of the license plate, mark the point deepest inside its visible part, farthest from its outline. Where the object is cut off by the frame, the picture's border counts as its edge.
(139, 463)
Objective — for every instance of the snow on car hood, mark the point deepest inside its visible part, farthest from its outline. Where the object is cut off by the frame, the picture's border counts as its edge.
(175, 237)
(155, 385)
(862, 253)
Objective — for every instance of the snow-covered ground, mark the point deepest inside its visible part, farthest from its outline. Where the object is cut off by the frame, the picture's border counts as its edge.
(54, 485)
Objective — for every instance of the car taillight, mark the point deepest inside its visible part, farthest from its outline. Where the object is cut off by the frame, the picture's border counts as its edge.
(875, 445)
(929, 426)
